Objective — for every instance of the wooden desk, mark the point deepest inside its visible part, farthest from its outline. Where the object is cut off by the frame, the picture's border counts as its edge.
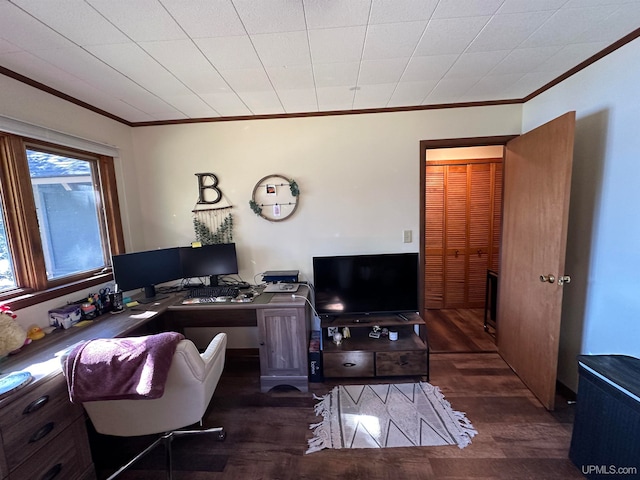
(283, 331)
(44, 435)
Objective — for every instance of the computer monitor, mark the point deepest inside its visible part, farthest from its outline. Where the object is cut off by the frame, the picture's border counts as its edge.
(209, 261)
(145, 270)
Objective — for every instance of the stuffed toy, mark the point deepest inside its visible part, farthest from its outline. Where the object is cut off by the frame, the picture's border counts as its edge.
(12, 335)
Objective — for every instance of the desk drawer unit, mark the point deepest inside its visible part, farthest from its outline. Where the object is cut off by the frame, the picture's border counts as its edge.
(33, 421)
(66, 457)
(348, 364)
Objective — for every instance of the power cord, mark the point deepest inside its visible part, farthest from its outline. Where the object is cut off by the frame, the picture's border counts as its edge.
(313, 309)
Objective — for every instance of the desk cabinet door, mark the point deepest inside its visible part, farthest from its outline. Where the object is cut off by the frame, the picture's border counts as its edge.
(282, 337)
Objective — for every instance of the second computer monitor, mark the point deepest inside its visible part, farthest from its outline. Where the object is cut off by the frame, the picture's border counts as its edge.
(209, 261)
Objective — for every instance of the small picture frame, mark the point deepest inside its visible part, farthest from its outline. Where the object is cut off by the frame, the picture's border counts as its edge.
(271, 189)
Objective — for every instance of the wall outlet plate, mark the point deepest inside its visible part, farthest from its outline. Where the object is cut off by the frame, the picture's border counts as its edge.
(331, 331)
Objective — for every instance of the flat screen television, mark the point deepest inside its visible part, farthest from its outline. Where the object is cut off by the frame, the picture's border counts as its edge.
(145, 270)
(366, 284)
(209, 261)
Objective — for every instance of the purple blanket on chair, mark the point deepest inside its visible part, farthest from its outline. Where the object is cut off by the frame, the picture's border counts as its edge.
(120, 368)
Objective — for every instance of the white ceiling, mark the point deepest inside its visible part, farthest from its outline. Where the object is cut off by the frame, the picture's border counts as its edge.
(160, 60)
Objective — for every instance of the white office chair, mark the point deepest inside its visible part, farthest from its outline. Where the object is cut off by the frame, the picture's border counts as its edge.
(191, 381)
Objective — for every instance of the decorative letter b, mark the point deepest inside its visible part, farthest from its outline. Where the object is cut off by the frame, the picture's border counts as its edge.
(213, 186)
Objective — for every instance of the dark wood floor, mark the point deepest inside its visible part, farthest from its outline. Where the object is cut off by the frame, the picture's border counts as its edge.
(453, 330)
(268, 432)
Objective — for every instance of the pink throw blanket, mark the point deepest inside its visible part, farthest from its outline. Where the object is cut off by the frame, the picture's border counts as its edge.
(120, 368)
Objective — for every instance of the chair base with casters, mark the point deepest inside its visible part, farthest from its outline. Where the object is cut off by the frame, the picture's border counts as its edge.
(191, 381)
(166, 440)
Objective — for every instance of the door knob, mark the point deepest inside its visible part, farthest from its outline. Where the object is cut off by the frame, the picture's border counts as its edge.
(547, 278)
(564, 279)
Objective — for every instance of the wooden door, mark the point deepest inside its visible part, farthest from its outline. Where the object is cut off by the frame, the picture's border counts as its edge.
(537, 182)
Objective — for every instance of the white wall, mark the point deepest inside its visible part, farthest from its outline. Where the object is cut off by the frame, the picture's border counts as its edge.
(601, 308)
(358, 177)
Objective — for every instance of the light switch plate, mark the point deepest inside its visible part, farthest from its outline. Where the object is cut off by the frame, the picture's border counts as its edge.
(406, 236)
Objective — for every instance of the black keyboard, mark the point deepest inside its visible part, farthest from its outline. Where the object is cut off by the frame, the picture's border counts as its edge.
(211, 292)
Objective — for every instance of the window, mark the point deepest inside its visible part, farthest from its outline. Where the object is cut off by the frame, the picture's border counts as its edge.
(7, 278)
(60, 220)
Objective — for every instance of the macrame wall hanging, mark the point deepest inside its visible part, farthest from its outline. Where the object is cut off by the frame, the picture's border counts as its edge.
(212, 225)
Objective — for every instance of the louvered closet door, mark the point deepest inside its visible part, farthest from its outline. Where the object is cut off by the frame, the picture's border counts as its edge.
(455, 274)
(434, 238)
(463, 208)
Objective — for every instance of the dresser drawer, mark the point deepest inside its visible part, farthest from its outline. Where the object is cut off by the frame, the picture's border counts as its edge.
(412, 362)
(66, 456)
(29, 423)
(348, 364)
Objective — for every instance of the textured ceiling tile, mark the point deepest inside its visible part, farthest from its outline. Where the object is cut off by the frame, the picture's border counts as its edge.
(569, 56)
(247, 80)
(428, 67)
(261, 103)
(27, 33)
(373, 96)
(392, 40)
(142, 20)
(476, 64)
(493, 87)
(381, 71)
(133, 62)
(392, 11)
(282, 49)
(229, 52)
(335, 98)
(183, 59)
(191, 106)
(524, 60)
(446, 36)
(206, 18)
(7, 47)
(466, 8)
(504, 32)
(411, 93)
(74, 19)
(336, 74)
(520, 6)
(335, 45)
(624, 20)
(271, 16)
(336, 13)
(450, 91)
(565, 26)
(227, 104)
(291, 77)
(299, 100)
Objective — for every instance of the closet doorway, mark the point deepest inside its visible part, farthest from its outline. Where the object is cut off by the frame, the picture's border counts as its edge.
(462, 209)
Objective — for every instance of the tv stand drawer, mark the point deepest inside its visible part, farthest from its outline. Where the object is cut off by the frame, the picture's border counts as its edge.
(401, 363)
(348, 364)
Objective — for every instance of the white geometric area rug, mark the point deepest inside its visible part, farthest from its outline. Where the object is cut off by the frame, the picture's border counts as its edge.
(383, 416)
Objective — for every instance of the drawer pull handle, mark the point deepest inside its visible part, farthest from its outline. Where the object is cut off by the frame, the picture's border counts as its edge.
(36, 405)
(348, 364)
(52, 472)
(42, 432)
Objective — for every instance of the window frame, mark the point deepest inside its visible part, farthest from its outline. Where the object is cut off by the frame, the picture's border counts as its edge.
(23, 233)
